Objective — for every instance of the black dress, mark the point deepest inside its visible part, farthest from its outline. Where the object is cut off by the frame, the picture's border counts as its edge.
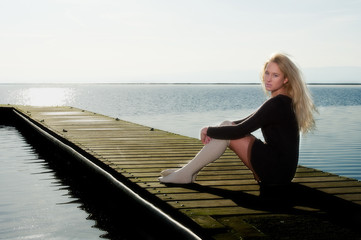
(275, 160)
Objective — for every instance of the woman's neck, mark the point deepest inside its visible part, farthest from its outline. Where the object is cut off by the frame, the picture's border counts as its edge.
(281, 91)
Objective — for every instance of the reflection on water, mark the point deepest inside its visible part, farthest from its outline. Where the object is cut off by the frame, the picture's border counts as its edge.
(45, 96)
(34, 203)
(336, 144)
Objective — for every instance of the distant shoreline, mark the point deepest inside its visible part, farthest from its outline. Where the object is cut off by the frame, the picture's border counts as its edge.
(175, 83)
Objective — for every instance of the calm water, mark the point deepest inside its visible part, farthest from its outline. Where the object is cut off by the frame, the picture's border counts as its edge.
(32, 196)
(334, 147)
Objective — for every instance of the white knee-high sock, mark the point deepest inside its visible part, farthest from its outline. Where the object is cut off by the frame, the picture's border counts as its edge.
(209, 153)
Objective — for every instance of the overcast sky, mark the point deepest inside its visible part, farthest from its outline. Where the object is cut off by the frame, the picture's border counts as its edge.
(176, 40)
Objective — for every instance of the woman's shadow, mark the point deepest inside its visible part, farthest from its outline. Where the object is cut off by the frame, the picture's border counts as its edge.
(292, 199)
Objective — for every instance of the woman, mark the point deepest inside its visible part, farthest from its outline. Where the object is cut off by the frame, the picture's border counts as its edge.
(288, 111)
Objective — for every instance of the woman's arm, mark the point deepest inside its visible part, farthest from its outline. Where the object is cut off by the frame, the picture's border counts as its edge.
(242, 120)
(269, 112)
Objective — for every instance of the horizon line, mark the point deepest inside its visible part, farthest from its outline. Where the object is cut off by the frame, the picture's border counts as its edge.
(161, 83)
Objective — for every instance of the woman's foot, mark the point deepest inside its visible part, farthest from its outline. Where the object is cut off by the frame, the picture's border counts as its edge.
(176, 177)
(166, 172)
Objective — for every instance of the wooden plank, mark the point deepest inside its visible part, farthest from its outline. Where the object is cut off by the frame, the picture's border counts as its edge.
(342, 190)
(350, 197)
(203, 203)
(222, 211)
(187, 196)
(330, 178)
(207, 222)
(321, 185)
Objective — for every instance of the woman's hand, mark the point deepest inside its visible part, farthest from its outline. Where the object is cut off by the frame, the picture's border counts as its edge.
(204, 138)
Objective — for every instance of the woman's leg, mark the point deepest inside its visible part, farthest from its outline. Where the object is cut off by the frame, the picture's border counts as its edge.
(242, 147)
(209, 153)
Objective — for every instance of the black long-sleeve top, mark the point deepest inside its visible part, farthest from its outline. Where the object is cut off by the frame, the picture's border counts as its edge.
(279, 127)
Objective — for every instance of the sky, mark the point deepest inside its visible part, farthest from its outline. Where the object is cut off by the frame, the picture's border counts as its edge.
(223, 41)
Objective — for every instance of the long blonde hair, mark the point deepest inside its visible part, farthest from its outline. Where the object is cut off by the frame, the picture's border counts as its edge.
(297, 89)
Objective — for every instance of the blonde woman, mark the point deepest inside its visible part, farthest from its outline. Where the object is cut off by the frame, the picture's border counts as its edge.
(287, 112)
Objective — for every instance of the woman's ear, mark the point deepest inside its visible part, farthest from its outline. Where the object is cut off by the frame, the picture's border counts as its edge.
(285, 81)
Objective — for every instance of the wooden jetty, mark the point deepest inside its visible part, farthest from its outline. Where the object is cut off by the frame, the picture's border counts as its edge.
(225, 202)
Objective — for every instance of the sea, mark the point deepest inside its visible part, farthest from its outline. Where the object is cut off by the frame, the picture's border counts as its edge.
(334, 146)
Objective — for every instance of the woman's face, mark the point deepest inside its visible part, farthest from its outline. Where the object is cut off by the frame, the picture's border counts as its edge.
(274, 79)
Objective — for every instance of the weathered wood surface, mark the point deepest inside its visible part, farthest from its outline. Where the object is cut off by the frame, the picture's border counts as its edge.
(225, 200)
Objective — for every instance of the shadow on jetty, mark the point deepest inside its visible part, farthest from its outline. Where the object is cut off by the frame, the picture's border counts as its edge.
(295, 211)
